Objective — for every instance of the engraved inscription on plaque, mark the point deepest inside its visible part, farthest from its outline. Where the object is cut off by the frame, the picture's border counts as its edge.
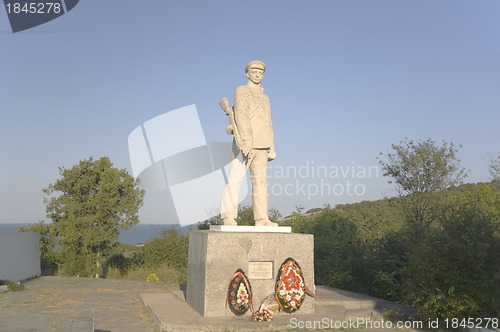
(260, 270)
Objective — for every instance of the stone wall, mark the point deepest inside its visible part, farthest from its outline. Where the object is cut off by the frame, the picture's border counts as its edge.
(19, 256)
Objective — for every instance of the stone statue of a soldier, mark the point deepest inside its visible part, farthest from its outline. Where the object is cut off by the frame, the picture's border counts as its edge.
(253, 146)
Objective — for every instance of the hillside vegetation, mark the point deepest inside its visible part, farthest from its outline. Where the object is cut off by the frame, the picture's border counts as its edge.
(453, 271)
(436, 247)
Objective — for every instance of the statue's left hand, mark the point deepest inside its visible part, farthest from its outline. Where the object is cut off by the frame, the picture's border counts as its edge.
(271, 155)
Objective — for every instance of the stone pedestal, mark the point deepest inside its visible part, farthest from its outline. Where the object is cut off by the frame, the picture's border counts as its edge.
(214, 256)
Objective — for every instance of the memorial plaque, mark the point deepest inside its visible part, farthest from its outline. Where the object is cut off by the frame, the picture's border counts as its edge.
(260, 270)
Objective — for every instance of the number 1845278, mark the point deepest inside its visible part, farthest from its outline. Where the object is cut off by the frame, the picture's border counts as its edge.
(471, 323)
(33, 8)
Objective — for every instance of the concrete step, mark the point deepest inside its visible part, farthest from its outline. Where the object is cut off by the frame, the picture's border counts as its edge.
(332, 306)
(355, 301)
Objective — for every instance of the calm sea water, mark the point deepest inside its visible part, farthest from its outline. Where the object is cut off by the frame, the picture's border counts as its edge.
(138, 234)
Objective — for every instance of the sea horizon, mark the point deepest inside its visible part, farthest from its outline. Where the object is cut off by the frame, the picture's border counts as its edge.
(139, 233)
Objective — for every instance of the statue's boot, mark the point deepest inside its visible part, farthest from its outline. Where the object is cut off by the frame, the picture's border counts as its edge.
(265, 222)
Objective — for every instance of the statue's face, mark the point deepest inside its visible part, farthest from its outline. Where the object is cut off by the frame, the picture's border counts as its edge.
(255, 75)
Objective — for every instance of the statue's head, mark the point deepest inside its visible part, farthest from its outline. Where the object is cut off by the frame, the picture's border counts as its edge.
(255, 71)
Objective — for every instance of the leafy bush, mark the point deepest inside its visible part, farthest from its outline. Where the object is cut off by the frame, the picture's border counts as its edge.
(455, 273)
(338, 254)
(164, 273)
(452, 271)
(119, 262)
(165, 256)
(12, 285)
(170, 249)
(386, 258)
(448, 304)
(245, 217)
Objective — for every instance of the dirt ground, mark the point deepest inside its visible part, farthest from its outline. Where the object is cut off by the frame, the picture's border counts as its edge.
(60, 304)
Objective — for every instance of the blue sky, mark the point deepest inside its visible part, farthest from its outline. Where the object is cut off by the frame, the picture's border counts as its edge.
(346, 80)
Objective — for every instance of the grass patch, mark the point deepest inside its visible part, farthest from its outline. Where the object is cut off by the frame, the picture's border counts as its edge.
(397, 316)
(164, 273)
(12, 285)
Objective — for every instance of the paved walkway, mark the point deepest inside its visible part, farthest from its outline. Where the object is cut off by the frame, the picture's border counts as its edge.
(100, 305)
(79, 305)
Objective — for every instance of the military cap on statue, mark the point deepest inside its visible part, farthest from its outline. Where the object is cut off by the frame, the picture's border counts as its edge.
(255, 64)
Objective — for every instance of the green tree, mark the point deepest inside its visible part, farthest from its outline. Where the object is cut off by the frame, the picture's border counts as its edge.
(494, 168)
(213, 220)
(374, 219)
(245, 215)
(454, 272)
(338, 253)
(275, 215)
(245, 218)
(168, 248)
(88, 206)
(419, 170)
(387, 258)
